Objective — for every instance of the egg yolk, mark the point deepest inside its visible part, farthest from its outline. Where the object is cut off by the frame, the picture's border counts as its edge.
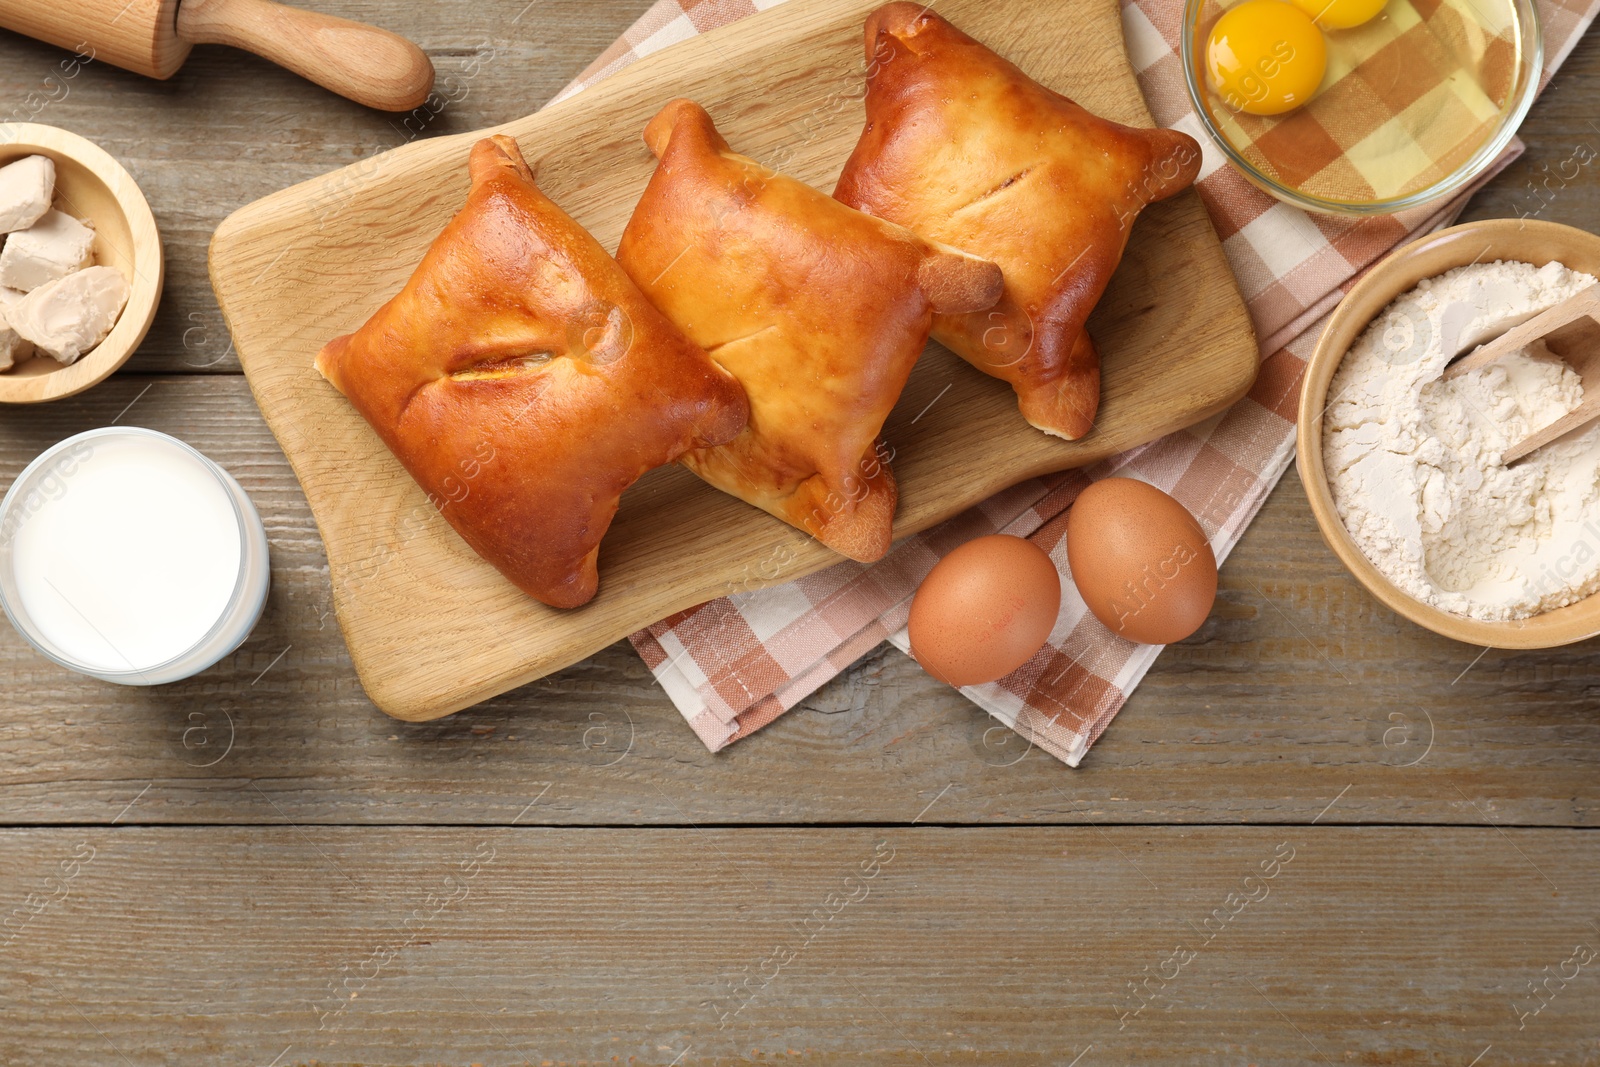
(1340, 14)
(1266, 57)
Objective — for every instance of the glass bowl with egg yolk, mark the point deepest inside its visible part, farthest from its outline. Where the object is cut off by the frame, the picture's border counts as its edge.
(1361, 107)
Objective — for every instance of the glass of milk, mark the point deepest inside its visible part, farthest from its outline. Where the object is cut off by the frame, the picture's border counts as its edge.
(127, 555)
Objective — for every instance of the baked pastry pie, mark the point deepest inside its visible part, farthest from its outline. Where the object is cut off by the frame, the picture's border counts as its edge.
(963, 147)
(525, 382)
(819, 310)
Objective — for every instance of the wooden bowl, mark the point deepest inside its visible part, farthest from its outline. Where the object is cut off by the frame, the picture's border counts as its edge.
(1530, 241)
(90, 185)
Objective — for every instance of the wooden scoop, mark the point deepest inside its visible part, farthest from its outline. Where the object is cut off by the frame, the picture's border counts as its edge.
(153, 37)
(1570, 330)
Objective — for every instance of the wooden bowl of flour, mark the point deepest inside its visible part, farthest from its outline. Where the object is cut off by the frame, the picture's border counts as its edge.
(1529, 241)
(92, 186)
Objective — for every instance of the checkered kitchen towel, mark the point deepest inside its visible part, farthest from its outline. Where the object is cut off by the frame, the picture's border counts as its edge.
(735, 664)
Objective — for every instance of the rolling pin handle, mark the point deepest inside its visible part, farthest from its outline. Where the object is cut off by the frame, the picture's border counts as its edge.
(368, 65)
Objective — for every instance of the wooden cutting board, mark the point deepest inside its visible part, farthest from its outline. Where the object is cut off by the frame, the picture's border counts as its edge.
(431, 627)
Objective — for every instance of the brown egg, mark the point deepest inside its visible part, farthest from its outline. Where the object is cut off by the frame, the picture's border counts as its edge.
(1141, 561)
(984, 610)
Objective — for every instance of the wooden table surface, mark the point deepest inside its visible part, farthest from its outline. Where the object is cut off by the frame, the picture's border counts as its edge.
(1316, 833)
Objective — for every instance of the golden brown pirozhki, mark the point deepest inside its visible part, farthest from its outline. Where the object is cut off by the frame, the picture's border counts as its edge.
(819, 310)
(525, 382)
(965, 148)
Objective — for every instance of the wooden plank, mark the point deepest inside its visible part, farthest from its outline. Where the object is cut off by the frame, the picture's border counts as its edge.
(905, 945)
(231, 128)
(1299, 686)
(440, 628)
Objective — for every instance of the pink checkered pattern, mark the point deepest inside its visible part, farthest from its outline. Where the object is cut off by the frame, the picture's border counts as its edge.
(735, 664)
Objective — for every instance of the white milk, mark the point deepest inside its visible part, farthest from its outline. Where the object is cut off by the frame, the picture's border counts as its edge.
(127, 555)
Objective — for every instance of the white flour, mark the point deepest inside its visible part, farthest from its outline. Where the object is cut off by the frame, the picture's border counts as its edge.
(1414, 462)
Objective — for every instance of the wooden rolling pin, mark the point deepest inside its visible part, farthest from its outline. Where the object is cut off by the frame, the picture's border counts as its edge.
(153, 37)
